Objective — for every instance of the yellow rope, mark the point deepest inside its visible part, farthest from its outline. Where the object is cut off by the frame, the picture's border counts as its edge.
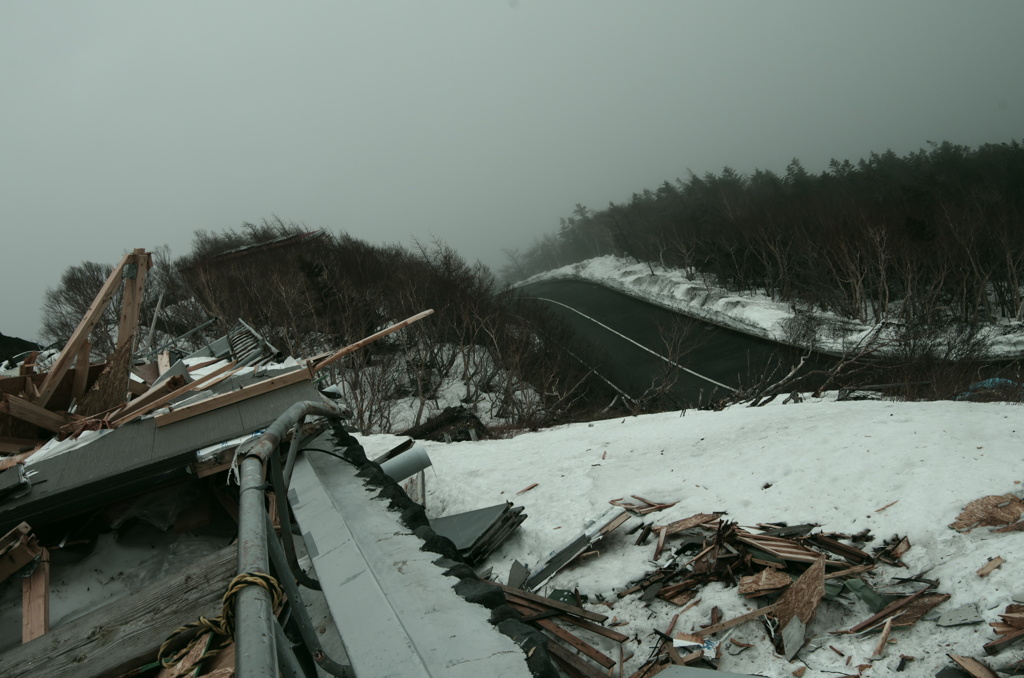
(224, 625)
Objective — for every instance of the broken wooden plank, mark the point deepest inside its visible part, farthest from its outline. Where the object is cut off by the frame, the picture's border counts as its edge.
(35, 600)
(972, 666)
(662, 534)
(527, 608)
(802, 597)
(223, 400)
(1004, 641)
(20, 408)
(736, 621)
(989, 567)
(692, 521)
(370, 339)
(573, 663)
(102, 643)
(548, 602)
(890, 610)
(768, 579)
(576, 642)
(81, 333)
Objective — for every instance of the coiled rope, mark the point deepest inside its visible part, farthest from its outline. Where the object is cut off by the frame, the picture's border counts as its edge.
(223, 626)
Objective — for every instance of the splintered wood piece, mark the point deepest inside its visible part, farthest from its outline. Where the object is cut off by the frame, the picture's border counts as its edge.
(1001, 509)
(662, 533)
(1004, 641)
(576, 642)
(989, 567)
(736, 621)
(687, 523)
(880, 646)
(898, 607)
(784, 549)
(528, 488)
(767, 579)
(973, 666)
(802, 597)
(549, 603)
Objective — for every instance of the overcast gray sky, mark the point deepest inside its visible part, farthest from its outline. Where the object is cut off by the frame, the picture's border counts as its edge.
(478, 122)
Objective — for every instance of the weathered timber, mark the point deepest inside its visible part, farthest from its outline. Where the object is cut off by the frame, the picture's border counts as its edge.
(35, 600)
(370, 339)
(126, 633)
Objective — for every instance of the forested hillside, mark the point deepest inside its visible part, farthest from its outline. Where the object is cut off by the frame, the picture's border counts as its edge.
(936, 235)
(309, 292)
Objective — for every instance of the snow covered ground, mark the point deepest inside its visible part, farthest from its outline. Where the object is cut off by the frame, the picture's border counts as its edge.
(755, 314)
(895, 468)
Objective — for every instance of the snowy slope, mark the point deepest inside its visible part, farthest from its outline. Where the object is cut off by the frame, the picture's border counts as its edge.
(831, 463)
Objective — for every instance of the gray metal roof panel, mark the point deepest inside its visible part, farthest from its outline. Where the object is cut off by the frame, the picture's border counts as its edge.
(367, 560)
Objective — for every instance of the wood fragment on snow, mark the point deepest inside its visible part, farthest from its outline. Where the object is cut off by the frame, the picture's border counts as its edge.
(989, 567)
(528, 488)
(972, 666)
(990, 511)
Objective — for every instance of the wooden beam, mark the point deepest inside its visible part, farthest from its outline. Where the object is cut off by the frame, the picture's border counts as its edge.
(232, 397)
(81, 333)
(549, 603)
(131, 301)
(370, 339)
(81, 381)
(35, 600)
(19, 408)
(125, 634)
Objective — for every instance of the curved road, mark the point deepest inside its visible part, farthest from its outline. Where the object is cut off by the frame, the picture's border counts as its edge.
(636, 341)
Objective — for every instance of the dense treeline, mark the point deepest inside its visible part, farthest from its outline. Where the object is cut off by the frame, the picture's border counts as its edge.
(934, 235)
(310, 292)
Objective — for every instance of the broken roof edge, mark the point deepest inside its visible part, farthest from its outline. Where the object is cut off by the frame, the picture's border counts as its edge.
(469, 586)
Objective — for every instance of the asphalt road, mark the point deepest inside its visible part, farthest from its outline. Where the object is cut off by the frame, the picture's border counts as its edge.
(709, 361)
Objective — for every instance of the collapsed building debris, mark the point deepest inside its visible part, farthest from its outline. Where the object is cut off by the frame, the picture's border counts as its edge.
(145, 446)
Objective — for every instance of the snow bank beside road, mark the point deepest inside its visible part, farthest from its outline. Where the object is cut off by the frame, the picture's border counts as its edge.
(753, 313)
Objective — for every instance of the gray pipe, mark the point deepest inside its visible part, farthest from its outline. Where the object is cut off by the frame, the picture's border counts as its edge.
(408, 463)
(256, 648)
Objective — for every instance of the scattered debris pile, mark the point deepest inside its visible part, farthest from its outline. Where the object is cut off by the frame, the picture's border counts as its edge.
(785, 571)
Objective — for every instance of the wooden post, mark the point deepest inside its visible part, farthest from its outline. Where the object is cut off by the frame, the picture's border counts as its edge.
(35, 600)
(131, 302)
(81, 333)
(81, 370)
